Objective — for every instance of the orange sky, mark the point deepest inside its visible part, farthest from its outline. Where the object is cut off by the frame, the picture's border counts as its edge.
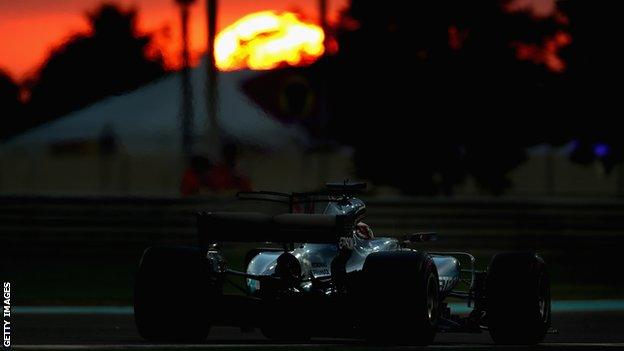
(29, 29)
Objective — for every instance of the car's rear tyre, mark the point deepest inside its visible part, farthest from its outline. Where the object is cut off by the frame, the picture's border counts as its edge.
(400, 290)
(173, 295)
(518, 298)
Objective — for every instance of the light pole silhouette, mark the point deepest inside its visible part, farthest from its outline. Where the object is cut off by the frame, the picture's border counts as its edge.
(323, 15)
(186, 111)
(212, 93)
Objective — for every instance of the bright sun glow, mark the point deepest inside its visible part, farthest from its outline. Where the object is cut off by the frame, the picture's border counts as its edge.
(265, 40)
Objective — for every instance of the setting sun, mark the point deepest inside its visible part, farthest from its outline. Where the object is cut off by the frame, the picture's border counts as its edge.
(265, 40)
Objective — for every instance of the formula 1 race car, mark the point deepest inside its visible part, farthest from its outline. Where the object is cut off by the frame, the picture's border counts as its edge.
(332, 277)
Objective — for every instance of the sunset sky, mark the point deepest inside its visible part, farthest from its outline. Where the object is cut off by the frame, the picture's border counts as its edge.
(29, 29)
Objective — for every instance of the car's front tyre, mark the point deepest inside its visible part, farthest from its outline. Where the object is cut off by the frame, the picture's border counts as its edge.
(518, 298)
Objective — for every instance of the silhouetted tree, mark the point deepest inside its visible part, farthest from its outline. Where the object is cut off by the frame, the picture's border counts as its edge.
(501, 97)
(590, 87)
(110, 60)
(428, 91)
(10, 106)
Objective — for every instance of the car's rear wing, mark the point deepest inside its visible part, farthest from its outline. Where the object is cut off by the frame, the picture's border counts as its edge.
(334, 192)
(214, 227)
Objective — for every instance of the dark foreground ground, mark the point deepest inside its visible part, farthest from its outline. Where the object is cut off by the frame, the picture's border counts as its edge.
(577, 330)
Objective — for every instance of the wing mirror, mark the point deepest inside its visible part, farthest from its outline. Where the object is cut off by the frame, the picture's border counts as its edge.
(421, 237)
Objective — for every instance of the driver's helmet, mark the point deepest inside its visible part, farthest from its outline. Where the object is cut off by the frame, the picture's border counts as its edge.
(363, 231)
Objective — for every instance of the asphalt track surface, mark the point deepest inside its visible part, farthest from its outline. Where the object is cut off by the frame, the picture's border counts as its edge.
(587, 330)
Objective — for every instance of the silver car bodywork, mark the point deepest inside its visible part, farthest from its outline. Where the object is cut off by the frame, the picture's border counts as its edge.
(316, 259)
